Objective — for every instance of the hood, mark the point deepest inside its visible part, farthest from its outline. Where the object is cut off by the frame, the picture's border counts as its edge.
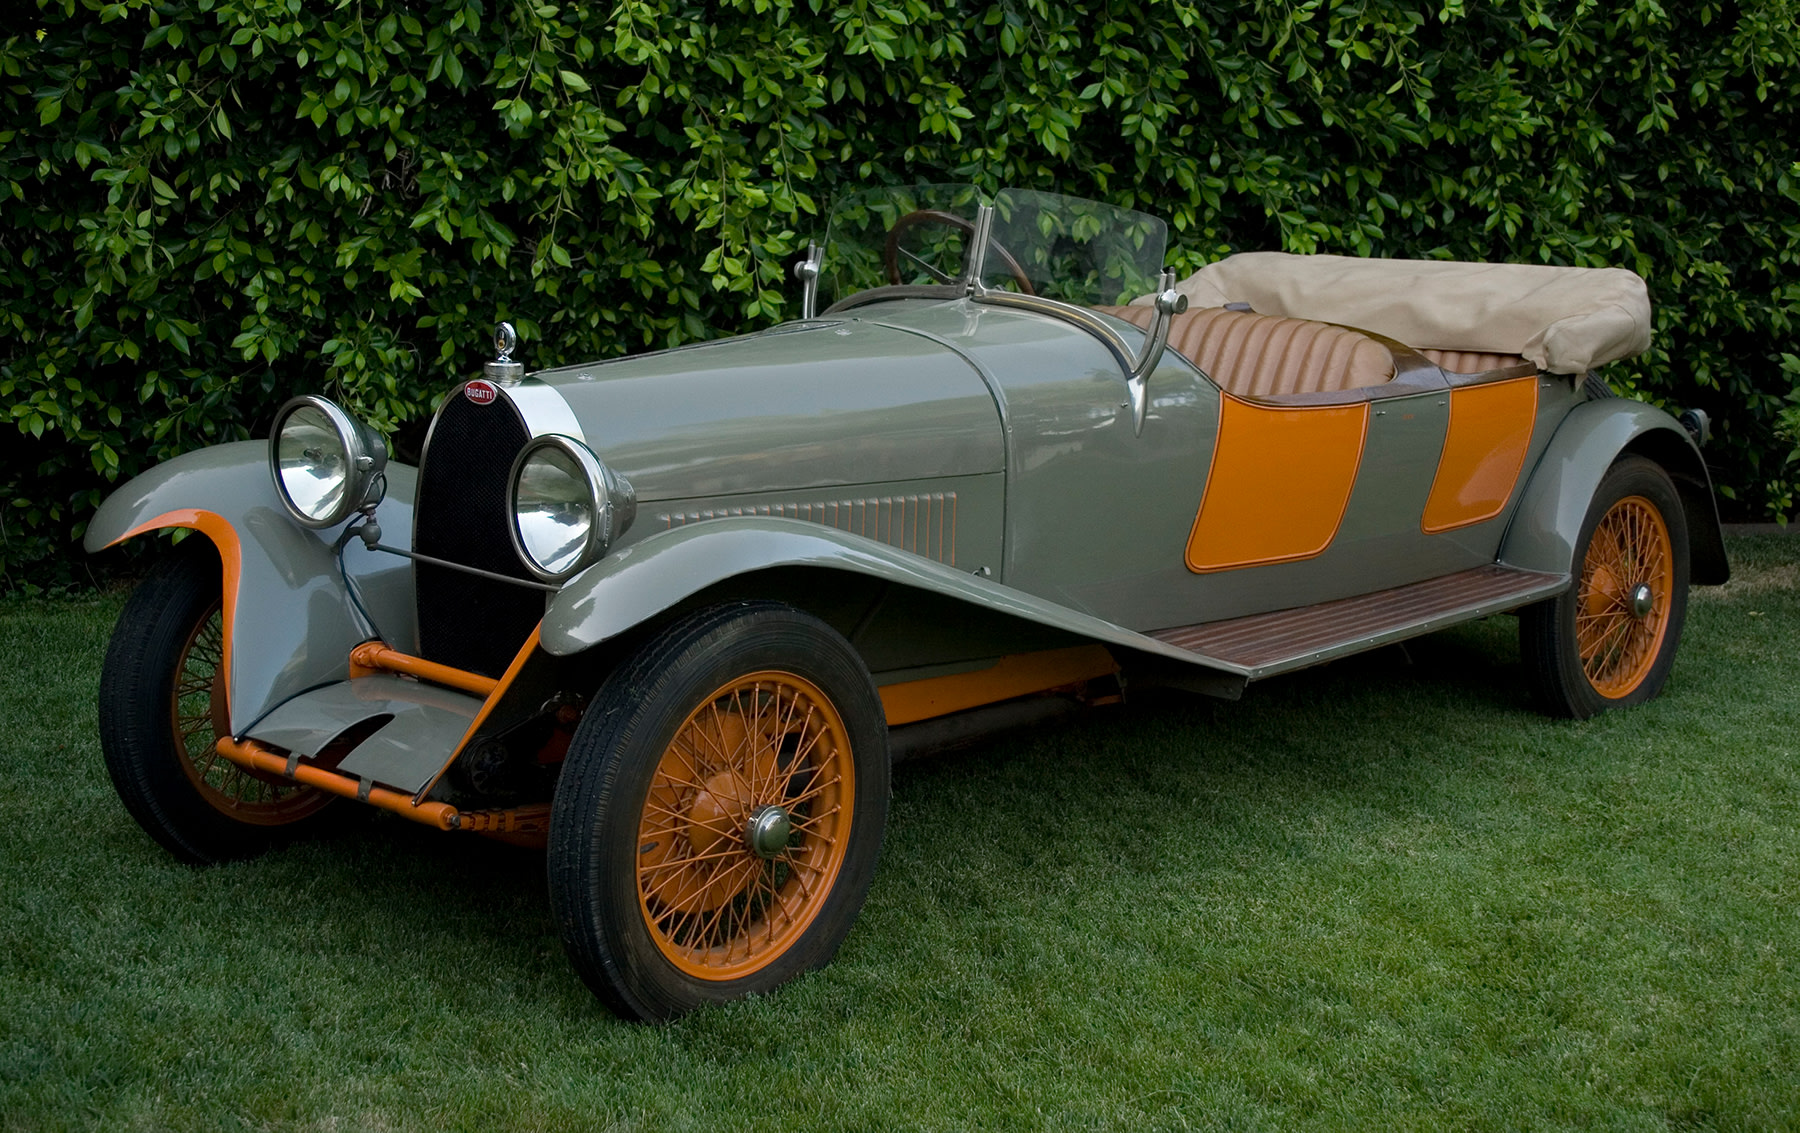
(807, 405)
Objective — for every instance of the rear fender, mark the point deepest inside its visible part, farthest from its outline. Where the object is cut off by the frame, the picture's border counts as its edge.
(1547, 524)
(638, 584)
(289, 625)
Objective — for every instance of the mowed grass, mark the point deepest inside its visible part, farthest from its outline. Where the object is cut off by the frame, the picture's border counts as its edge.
(1382, 894)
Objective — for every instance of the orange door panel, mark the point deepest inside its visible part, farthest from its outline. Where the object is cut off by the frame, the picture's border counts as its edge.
(1490, 429)
(1280, 480)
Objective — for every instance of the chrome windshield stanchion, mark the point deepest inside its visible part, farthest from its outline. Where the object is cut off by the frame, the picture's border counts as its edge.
(978, 246)
(1169, 303)
(807, 272)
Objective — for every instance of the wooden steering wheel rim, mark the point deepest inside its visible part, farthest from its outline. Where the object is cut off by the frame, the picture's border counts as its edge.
(891, 253)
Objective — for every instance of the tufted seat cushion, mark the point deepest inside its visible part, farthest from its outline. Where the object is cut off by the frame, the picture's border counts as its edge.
(1470, 362)
(1256, 355)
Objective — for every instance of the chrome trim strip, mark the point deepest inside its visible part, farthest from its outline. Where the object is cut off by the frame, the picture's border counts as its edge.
(895, 291)
(1082, 317)
(543, 409)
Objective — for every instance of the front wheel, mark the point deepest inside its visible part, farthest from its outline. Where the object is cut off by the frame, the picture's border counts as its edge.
(162, 710)
(1609, 640)
(720, 813)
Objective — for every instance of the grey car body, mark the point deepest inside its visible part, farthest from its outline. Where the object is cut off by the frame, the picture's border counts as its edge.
(947, 477)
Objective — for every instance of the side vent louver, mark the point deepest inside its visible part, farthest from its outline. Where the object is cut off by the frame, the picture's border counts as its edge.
(922, 524)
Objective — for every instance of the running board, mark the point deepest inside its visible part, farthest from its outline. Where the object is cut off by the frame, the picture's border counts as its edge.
(1267, 644)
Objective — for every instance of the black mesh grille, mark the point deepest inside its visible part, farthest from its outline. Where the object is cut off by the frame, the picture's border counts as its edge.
(468, 622)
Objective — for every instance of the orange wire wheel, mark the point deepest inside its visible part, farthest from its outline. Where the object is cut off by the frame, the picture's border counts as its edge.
(1622, 607)
(745, 825)
(1609, 640)
(163, 708)
(720, 812)
(199, 714)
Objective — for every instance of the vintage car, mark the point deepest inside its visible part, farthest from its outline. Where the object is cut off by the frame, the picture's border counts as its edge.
(672, 616)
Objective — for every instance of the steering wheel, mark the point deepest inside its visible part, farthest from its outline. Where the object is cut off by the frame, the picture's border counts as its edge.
(949, 219)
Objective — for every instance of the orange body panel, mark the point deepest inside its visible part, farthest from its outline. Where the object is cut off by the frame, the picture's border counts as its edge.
(1490, 430)
(1017, 675)
(215, 527)
(1280, 481)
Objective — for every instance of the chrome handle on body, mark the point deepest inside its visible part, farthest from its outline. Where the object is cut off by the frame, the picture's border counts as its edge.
(807, 272)
(1169, 303)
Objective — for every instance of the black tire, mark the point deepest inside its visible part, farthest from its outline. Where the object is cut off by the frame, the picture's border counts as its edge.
(1629, 654)
(629, 894)
(157, 741)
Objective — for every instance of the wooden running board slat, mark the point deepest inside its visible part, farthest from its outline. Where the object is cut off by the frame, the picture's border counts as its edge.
(1290, 639)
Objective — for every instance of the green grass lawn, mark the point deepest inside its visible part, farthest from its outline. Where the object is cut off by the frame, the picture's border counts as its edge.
(1379, 894)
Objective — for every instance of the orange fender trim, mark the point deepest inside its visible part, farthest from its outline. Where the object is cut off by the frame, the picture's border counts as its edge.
(231, 562)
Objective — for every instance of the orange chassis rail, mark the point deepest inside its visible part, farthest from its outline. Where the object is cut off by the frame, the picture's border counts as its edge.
(374, 657)
(903, 703)
(520, 821)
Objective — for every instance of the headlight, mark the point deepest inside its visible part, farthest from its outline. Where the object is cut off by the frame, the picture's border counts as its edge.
(327, 464)
(567, 507)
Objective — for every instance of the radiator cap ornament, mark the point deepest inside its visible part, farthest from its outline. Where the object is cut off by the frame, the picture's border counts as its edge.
(503, 370)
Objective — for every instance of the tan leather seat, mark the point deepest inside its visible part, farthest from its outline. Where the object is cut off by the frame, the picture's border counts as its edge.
(1472, 362)
(1263, 356)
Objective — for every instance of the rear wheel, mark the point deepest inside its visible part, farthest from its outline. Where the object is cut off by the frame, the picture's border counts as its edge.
(1610, 639)
(162, 710)
(720, 812)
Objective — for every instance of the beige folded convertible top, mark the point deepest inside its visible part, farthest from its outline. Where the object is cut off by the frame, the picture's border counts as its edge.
(1566, 320)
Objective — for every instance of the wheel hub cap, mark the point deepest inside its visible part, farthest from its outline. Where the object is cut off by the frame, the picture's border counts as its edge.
(768, 830)
(1643, 600)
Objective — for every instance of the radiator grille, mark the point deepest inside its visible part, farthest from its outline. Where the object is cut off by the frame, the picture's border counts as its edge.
(461, 516)
(924, 524)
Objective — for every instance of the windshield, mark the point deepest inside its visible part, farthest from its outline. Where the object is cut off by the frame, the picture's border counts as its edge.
(1079, 251)
(915, 234)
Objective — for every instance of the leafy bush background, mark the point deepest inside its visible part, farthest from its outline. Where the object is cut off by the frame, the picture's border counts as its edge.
(208, 206)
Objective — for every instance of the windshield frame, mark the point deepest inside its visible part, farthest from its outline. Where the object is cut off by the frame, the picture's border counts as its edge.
(969, 282)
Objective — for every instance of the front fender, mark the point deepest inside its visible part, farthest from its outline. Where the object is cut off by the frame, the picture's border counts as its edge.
(289, 625)
(1547, 524)
(637, 583)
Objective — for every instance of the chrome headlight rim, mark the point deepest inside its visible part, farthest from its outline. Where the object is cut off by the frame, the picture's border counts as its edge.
(365, 461)
(608, 494)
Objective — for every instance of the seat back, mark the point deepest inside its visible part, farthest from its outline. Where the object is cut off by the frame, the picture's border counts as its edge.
(1256, 355)
(1473, 362)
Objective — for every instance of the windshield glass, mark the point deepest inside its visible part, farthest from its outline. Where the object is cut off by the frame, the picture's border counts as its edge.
(913, 234)
(1080, 251)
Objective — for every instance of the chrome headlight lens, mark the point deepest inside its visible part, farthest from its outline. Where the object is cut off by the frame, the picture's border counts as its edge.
(567, 507)
(326, 463)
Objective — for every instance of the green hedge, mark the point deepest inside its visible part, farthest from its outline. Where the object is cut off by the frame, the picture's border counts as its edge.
(208, 206)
